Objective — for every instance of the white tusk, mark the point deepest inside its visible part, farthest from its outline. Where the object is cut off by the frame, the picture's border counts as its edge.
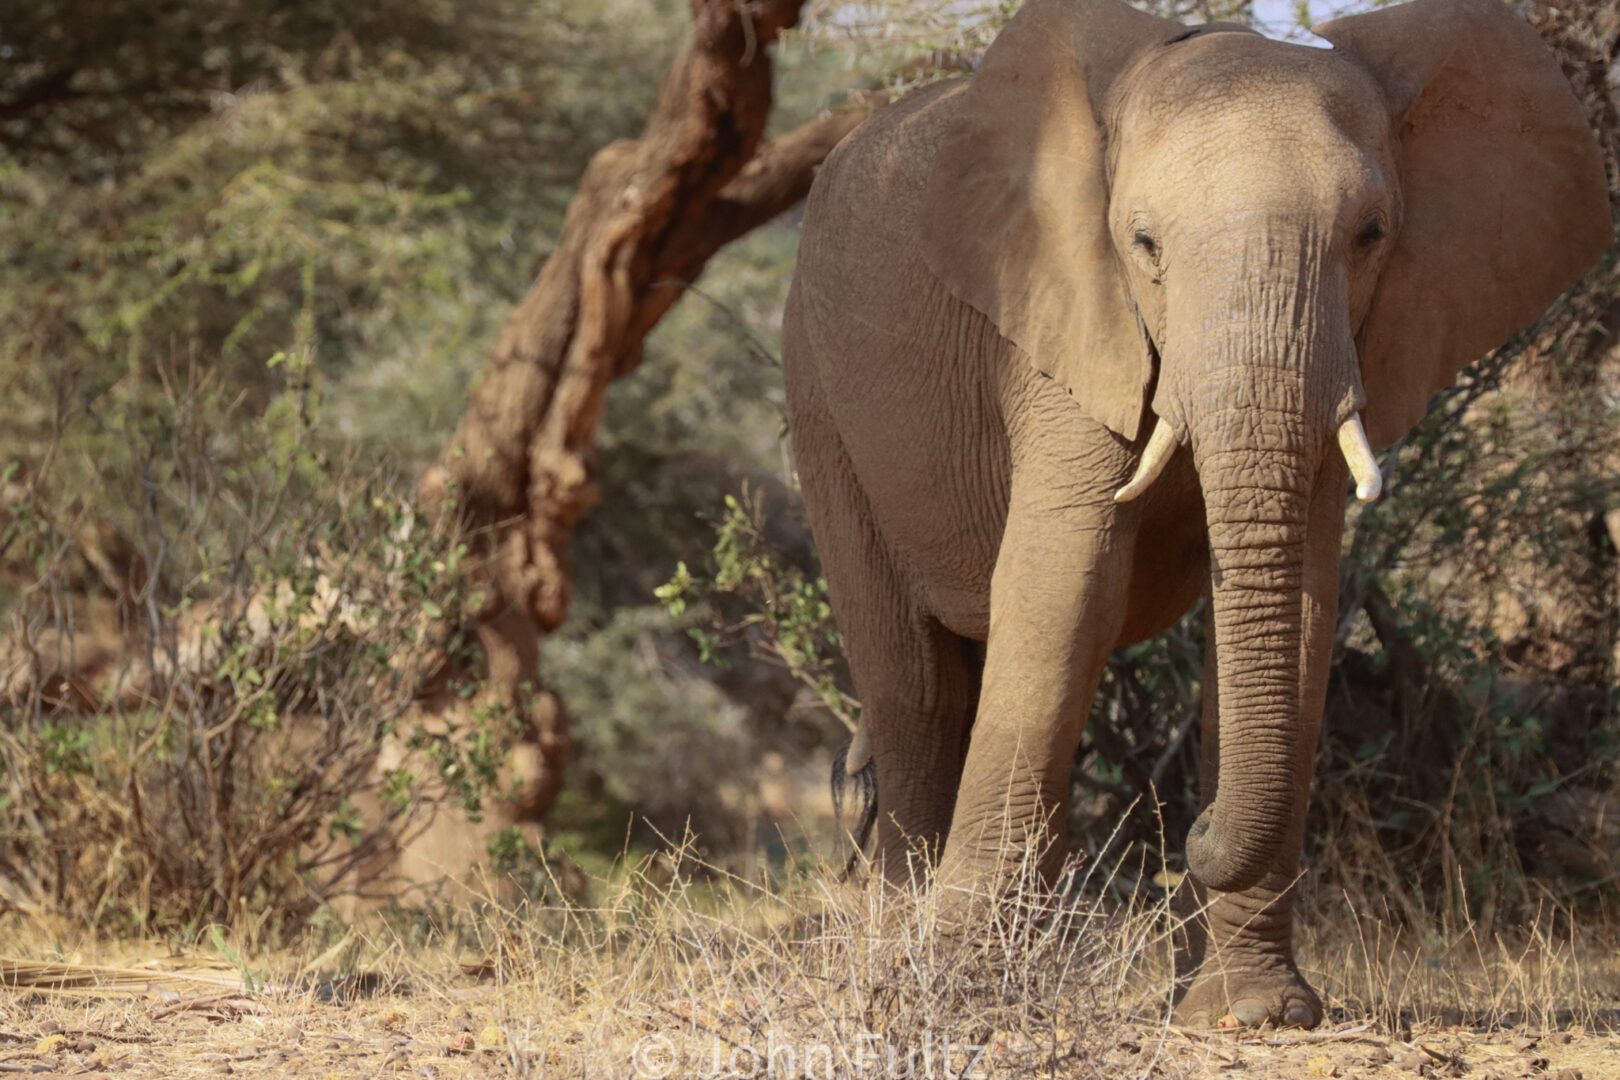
(1160, 449)
(859, 754)
(1358, 454)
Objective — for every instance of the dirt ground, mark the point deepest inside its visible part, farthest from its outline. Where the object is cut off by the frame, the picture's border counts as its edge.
(662, 979)
(482, 1030)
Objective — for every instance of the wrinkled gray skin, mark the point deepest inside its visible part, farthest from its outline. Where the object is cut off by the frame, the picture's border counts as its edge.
(1007, 281)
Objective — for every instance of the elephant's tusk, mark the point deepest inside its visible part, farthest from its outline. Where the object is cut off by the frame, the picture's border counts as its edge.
(1160, 449)
(859, 754)
(1358, 454)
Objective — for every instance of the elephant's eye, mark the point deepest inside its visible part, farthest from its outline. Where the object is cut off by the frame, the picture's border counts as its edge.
(1370, 233)
(1144, 240)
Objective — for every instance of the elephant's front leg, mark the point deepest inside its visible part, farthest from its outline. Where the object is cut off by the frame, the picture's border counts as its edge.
(1057, 599)
(1242, 942)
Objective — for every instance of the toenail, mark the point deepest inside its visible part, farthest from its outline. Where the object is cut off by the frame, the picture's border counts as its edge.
(1251, 1012)
(1300, 1014)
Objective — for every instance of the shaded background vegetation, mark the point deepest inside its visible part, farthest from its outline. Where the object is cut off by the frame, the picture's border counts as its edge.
(251, 256)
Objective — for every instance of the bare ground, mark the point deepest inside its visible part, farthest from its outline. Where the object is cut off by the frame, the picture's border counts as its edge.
(665, 975)
(487, 1031)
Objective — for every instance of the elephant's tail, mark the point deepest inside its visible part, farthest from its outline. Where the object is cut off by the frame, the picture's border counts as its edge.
(852, 767)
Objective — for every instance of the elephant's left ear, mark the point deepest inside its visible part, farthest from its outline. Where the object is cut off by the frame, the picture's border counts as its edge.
(1017, 205)
(1505, 202)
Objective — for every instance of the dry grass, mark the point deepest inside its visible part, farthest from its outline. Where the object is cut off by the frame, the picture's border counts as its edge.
(677, 969)
(1548, 975)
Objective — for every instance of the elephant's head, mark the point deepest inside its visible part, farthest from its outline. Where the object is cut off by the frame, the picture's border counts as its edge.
(1280, 253)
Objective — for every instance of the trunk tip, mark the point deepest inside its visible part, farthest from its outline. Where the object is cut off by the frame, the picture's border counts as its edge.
(1214, 860)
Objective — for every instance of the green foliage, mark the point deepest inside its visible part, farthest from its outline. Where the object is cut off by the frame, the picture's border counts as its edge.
(198, 695)
(64, 748)
(363, 186)
(655, 737)
(509, 851)
(786, 617)
(468, 760)
(254, 252)
(663, 740)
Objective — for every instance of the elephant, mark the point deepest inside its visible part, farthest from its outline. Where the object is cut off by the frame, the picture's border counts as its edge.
(1108, 326)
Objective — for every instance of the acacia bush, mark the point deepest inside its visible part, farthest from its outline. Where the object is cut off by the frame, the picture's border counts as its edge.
(193, 702)
(253, 253)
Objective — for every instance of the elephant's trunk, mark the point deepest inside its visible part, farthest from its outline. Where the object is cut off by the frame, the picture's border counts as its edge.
(1256, 457)
(1258, 375)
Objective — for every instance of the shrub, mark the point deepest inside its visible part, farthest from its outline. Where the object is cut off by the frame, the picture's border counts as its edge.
(194, 700)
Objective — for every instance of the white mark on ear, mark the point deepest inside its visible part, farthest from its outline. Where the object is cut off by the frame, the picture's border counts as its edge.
(1279, 19)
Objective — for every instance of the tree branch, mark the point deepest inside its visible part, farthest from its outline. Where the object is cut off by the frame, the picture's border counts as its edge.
(648, 210)
(777, 179)
(44, 89)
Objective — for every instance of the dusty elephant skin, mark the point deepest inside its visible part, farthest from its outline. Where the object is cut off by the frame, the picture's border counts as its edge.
(1110, 324)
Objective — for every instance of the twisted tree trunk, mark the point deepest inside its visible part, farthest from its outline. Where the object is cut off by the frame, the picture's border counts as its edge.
(648, 215)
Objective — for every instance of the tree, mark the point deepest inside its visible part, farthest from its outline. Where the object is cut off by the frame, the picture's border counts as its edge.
(648, 214)
(246, 242)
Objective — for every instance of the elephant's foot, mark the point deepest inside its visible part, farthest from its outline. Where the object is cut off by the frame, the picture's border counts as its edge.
(1235, 997)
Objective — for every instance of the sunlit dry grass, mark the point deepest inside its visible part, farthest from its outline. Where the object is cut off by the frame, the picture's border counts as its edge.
(683, 970)
(1552, 973)
(672, 967)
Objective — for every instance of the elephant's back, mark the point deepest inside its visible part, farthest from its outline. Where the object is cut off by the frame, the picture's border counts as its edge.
(884, 164)
(860, 264)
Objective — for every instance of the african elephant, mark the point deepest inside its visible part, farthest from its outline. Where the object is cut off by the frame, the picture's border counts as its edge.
(1109, 325)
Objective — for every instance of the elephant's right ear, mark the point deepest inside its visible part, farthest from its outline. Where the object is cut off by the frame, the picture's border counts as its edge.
(1018, 201)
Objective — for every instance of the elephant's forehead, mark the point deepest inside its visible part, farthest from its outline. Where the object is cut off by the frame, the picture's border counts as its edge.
(1225, 86)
